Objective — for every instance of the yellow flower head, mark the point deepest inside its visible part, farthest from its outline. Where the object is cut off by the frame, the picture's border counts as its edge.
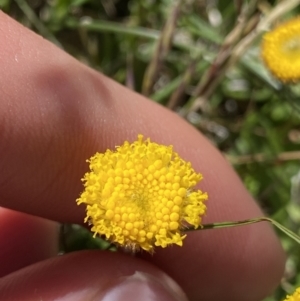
(294, 297)
(281, 51)
(141, 195)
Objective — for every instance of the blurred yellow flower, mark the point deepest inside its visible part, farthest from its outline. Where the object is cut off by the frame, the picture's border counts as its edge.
(294, 297)
(141, 195)
(281, 51)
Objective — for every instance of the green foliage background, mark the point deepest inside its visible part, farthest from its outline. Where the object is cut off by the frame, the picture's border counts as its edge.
(173, 55)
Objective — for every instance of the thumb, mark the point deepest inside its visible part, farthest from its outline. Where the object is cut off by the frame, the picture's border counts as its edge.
(91, 276)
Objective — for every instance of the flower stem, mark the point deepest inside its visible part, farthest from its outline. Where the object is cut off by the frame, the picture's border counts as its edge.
(288, 232)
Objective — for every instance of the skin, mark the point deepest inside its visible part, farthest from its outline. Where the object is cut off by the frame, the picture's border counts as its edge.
(54, 114)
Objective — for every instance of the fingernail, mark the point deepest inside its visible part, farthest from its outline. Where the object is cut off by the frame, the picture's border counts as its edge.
(143, 287)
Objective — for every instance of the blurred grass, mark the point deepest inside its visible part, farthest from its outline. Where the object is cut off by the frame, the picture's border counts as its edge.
(190, 57)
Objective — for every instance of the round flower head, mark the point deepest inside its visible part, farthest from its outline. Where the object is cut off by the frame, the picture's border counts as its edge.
(294, 297)
(281, 51)
(141, 195)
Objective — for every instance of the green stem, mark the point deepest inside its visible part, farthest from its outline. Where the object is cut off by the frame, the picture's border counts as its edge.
(114, 27)
(288, 232)
(124, 29)
(34, 19)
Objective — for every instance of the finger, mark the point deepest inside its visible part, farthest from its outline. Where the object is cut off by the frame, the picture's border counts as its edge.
(87, 276)
(68, 112)
(24, 240)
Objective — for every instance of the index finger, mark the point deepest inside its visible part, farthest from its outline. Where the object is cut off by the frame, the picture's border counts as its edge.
(55, 113)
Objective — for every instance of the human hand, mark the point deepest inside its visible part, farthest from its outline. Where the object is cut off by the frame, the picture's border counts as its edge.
(54, 114)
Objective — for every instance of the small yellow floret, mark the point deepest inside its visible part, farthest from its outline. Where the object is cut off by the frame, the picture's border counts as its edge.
(281, 51)
(294, 297)
(141, 195)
